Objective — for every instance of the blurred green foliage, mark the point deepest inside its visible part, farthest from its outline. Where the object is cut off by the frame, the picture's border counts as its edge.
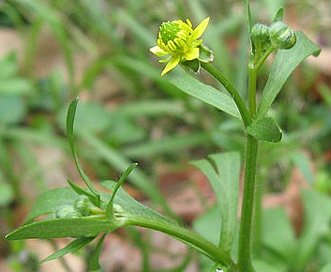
(146, 118)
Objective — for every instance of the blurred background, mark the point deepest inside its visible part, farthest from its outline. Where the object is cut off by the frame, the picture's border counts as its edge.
(52, 51)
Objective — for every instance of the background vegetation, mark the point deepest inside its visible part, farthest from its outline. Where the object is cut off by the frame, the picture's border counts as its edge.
(52, 51)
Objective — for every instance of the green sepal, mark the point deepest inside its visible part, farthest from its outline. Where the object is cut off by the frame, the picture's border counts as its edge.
(265, 129)
(72, 247)
(192, 65)
(279, 15)
(206, 54)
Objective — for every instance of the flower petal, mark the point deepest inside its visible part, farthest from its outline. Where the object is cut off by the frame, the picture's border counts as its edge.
(158, 51)
(171, 65)
(192, 54)
(200, 29)
(165, 60)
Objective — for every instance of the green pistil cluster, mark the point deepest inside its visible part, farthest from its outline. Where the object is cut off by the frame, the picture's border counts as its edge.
(168, 31)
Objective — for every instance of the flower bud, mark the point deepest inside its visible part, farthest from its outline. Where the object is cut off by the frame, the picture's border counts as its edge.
(260, 37)
(67, 211)
(82, 205)
(282, 36)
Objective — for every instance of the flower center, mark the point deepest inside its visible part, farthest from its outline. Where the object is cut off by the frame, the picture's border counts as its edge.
(168, 31)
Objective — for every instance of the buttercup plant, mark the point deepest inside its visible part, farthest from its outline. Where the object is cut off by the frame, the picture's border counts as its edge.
(86, 213)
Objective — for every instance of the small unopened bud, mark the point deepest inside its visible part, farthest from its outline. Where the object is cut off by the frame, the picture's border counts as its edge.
(67, 211)
(282, 36)
(260, 37)
(82, 205)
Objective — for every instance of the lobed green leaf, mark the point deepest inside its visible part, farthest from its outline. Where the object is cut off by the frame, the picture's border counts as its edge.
(284, 64)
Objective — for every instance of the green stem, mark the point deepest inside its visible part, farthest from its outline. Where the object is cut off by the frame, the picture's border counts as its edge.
(257, 231)
(245, 115)
(252, 75)
(188, 237)
(248, 204)
(264, 57)
(247, 222)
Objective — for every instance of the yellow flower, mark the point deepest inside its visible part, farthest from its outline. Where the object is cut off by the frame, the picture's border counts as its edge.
(180, 41)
